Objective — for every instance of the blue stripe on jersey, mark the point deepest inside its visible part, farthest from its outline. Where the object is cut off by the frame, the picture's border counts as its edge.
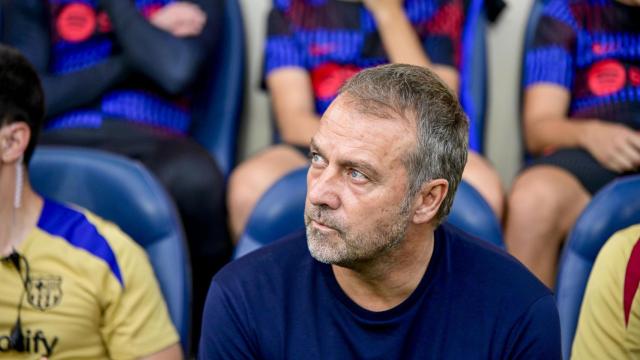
(612, 45)
(127, 105)
(76, 119)
(142, 3)
(87, 2)
(72, 57)
(560, 11)
(73, 226)
(626, 94)
(345, 45)
(282, 4)
(421, 11)
(147, 108)
(549, 64)
(282, 51)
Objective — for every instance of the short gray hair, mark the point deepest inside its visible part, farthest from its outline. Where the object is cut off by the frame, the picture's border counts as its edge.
(414, 92)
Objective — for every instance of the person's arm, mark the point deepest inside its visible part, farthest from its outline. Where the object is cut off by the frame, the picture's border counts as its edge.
(288, 82)
(536, 335)
(402, 43)
(172, 62)
(135, 322)
(28, 32)
(547, 126)
(293, 105)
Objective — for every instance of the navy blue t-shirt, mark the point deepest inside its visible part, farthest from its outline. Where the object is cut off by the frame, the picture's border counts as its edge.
(474, 302)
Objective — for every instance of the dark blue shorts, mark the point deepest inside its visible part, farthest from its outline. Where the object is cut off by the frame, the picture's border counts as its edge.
(582, 166)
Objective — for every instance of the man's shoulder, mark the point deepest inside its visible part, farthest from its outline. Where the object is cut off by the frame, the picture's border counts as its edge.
(79, 226)
(94, 238)
(277, 261)
(515, 304)
(490, 269)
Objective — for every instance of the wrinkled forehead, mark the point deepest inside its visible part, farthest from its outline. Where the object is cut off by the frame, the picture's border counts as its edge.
(379, 109)
(344, 126)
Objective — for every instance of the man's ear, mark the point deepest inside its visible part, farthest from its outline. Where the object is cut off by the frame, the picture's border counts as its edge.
(429, 199)
(14, 139)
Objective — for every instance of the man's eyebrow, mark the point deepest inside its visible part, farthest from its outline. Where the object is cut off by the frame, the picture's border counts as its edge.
(362, 165)
(314, 146)
(347, 163)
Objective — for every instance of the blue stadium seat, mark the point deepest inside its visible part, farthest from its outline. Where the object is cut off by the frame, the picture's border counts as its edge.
(218, 103)
(124, 192)
(613, 208)
(473, 215)
(280, 212)
(473, 72)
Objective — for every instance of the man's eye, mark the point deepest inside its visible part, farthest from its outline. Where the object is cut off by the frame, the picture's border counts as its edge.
(357, 175)
(315, 158)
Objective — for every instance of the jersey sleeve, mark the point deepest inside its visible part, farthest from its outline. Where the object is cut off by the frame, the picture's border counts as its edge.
(281, 49)
(602, 331)
(536, 335)
(551, 56)
(441, 31)
(136, 321)
(225, 332)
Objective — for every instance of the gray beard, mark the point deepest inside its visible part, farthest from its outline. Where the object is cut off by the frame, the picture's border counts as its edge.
(345, 248)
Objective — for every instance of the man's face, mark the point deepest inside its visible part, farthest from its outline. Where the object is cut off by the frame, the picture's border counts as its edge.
(356, 206)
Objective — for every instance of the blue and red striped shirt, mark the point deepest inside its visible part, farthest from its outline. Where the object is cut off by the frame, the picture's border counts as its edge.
(591, 48)
(81, 37)
(334, 39)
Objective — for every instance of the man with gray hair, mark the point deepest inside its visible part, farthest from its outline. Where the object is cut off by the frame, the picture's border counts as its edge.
(380, 277)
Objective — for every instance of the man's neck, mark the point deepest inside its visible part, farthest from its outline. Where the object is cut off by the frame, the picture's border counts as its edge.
(384, 283)
(15, 224)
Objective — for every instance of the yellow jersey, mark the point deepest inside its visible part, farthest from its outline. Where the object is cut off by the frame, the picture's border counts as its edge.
(609, 324)
(90, 292)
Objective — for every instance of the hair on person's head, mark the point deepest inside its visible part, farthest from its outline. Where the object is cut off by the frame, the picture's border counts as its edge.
(21, 94)
(416, 94)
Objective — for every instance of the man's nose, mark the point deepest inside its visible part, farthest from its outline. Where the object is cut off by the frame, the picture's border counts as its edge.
(322, 188)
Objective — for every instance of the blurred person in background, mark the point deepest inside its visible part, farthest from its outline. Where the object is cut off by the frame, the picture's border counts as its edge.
(581, 120)
(73, 285)
(313, 47)
(118, 76)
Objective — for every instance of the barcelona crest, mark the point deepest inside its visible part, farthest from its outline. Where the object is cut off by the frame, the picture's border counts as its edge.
(44, 292)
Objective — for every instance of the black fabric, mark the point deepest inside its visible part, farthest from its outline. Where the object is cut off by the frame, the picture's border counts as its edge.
(494, 8)
(190, 176)
(582, 166)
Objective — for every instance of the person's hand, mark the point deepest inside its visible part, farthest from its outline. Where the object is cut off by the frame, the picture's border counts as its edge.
(615, 146)
(378, 7)
(181, 19)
